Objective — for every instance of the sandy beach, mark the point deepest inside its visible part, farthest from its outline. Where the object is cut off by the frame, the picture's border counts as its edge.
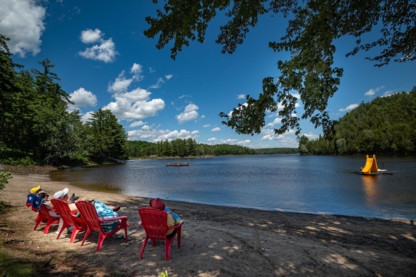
(216, 241)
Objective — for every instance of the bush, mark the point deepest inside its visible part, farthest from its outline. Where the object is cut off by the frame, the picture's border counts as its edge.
(4, 176)
(26, 161)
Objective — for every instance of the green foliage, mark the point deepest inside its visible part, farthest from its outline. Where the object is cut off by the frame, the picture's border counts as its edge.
(4, 177)
(309, 38)
(106, 137)
(386, 125)
(26, 161)
(269, 151)
(303, 150)
(164, 274)
(183, 148)
(36, 126)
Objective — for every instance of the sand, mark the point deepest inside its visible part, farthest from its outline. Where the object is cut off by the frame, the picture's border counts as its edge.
(216, 241)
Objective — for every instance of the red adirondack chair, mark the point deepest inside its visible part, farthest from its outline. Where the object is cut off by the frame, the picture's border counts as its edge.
(42, 215)
(155, 224)
(89, 214)
(68, 218)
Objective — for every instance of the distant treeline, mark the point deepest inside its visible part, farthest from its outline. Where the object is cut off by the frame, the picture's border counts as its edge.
(183, 148)
(386, 125)
(270, 151)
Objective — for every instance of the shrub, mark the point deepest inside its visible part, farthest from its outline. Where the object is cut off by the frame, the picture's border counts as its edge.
(4, 176)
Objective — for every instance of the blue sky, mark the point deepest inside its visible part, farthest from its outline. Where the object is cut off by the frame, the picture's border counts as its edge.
(105, 61)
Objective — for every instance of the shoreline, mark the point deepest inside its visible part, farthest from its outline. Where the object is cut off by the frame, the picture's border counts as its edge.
(219, 240)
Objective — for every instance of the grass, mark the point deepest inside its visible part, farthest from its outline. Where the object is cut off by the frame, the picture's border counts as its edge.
(13, 266)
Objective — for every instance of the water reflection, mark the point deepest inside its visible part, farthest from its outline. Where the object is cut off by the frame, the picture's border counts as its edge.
(370, 189)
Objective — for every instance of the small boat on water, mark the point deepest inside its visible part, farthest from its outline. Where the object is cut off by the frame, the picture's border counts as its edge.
(177, 163)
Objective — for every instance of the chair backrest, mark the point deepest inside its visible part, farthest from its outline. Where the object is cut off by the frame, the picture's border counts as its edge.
(90, 215)
(64, 211)
(154, 222)
(44, 211)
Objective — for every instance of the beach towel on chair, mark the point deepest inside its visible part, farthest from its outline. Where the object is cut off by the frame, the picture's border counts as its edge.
(36, 202)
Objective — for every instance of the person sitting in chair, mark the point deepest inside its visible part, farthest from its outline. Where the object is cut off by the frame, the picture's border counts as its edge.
(173, 218)
(32, 196)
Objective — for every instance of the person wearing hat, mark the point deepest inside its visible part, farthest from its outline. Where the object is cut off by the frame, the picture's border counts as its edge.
(38, 199)
(32, 196)
(173, 218)
(63, 195)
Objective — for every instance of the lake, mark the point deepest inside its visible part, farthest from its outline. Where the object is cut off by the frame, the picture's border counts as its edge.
(306, 184)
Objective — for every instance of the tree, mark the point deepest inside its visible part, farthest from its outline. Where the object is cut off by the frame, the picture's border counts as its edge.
(7, 87)
(309, 38)
(106, 137)
(303, 140)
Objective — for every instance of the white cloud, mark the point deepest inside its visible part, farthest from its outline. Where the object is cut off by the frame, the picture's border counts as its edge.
(134, 104)
(389, 93)
(90, 36)
(373, 91)
(136, 123)
(154, 134)
(206, 125)
(275, 122)
(241, 96)
(189, 113)
(234, 142)
(126, 108)
(136, 69)
(87, 116)
(311, 135)
(169, 76)
(82, 97)
(284, 140)
(122, 83)
(212, 139)
(216, 129)
(203, 116)
(104, 51)
(22, 22)
(151, 70)
(349, 108)
(158, 83)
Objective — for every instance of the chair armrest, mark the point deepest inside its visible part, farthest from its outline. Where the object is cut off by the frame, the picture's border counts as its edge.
(122, 218)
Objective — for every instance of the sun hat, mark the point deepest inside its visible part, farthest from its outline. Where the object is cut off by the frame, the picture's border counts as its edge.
(34, 190)
(42, 192)
(60, 194)
(157, 203)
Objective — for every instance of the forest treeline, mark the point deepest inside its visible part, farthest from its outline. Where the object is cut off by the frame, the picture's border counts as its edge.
(189, 147)
(183, 148)
(386, 125)
(271, 151)
(36, 126)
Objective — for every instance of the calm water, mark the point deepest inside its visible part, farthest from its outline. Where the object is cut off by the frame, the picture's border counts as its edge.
(311, 184)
